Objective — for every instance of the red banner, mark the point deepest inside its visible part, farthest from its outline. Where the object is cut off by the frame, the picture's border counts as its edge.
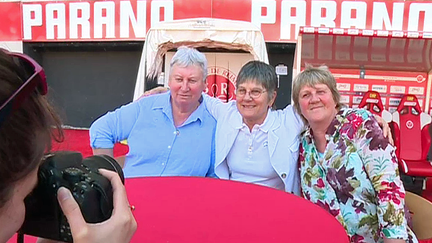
(10, 19)
(279, 20)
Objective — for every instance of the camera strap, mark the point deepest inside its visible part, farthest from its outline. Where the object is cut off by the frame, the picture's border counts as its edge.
(20, 237)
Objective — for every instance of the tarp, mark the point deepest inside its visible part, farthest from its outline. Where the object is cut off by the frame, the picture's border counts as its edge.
(198, 32)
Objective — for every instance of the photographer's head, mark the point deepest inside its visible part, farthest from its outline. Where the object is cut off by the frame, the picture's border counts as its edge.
(27, 125)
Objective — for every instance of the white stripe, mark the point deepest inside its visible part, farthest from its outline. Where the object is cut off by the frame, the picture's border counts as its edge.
(356, 76)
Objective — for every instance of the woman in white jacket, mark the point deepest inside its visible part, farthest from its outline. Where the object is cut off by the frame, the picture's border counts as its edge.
(255, 143)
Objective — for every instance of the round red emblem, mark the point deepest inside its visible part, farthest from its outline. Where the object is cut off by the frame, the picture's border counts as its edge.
(221, 83)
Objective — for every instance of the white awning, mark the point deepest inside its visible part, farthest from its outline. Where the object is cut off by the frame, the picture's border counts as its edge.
(198, 32)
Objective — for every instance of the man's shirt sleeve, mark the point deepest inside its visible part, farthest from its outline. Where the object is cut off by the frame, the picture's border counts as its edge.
(114, 126)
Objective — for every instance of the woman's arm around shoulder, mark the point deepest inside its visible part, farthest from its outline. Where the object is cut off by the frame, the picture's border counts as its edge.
(292, 118)
(216, 107)
(380, 164)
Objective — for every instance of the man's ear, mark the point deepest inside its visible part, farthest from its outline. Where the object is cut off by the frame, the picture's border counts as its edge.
(205, 85)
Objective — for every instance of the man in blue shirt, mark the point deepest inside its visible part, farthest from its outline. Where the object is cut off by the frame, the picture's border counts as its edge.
(170, 134)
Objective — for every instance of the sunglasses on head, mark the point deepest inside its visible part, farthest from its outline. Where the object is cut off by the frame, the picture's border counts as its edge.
(34, 79)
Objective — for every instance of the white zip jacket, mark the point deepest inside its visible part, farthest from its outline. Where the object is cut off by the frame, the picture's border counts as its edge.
(283, 140)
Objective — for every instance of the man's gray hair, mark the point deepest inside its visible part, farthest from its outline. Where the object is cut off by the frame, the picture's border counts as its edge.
(187, 56)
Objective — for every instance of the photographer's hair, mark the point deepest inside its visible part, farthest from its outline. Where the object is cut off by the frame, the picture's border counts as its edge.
(26, 133)
(312, 76)
(187, 56)
(259, 72)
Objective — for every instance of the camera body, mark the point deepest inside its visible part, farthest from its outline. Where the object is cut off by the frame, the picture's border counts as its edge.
(92, 191)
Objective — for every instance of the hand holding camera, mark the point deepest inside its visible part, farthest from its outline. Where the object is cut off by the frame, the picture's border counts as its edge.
(119, 228)
(86, 195)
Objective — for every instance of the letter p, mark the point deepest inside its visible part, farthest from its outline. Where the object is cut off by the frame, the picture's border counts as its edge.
(256, 16)
(28, 21)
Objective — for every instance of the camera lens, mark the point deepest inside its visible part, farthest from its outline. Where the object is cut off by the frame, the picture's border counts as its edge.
(104, 162)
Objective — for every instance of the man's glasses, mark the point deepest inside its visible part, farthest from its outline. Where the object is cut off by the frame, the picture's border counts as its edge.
(254, 94)
(35, 79)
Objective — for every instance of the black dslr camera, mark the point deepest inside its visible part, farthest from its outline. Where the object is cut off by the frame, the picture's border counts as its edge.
(92, 191)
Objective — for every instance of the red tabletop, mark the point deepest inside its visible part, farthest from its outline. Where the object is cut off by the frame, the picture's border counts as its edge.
(193, 209)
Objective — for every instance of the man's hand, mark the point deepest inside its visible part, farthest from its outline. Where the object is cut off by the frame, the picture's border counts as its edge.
(157, 90)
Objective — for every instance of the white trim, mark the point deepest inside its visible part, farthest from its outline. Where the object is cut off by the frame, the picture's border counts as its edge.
(395, 118)
(428, 88)
(74, 128)
(386, 116)
(15, 46)
(378, 77)
(425, 119)
(29, 1)
(405, 167)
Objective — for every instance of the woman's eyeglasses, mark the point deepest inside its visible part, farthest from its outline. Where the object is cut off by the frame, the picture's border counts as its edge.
(36, 80)
(254, 94)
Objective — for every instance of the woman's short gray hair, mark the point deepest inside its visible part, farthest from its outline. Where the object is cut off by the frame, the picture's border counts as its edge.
(312, 76)
(187, 56)
(259, 72)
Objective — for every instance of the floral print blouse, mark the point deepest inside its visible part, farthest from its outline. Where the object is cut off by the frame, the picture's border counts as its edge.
(356, 179)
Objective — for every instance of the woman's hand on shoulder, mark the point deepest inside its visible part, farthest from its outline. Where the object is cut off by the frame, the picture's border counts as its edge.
(119, 228)
(385, 127)
(393, 240)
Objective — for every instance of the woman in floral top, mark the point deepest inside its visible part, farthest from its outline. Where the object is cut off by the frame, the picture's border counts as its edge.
(346, 165)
